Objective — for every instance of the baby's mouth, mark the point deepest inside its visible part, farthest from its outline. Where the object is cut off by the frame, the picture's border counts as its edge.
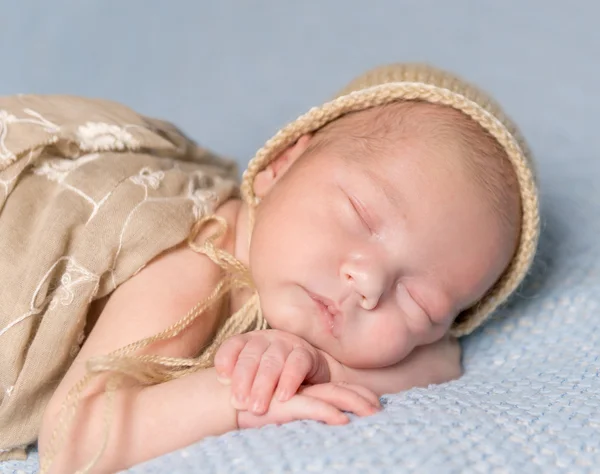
(328, 311)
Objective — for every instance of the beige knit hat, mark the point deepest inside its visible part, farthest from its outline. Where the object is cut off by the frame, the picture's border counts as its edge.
(398, 82)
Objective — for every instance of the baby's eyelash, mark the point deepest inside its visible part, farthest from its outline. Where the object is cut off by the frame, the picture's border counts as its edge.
(417, 302)
(358, 208)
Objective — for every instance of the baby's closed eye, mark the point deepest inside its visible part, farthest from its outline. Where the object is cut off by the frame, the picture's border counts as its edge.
(361, 214)
(410, 306)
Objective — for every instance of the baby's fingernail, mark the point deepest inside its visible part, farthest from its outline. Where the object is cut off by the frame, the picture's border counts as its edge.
(258, 407)
(239, 402)
(222, 378)
(282, 395)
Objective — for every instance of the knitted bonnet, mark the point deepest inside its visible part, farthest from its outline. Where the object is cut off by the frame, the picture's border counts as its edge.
(400, 82)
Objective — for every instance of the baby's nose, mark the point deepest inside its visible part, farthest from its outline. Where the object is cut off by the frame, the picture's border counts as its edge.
(368, 282)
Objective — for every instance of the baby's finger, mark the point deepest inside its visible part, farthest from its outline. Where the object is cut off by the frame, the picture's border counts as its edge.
(227, 356)
(267, 376)
(310, 408)
(364, 392)
(245, 370)
(342, 398)
(297, 366)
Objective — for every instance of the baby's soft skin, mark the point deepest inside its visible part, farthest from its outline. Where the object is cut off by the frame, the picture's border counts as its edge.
(362, 257)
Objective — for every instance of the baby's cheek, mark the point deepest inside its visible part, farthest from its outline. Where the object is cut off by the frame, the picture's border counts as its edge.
(282, 313)
(388, 340)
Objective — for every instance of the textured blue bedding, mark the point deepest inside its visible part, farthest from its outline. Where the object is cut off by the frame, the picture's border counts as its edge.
(230, 74)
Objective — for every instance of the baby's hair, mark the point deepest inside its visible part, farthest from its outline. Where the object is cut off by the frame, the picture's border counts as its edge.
(375, 131)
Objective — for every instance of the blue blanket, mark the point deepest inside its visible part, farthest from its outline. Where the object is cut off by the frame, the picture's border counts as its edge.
(231, 74)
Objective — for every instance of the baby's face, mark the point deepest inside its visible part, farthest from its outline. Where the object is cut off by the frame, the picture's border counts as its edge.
(368, 258)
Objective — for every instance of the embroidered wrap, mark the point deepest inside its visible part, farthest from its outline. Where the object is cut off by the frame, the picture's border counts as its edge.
(90, 192)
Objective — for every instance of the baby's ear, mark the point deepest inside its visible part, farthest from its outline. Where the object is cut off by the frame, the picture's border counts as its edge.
(266, 179)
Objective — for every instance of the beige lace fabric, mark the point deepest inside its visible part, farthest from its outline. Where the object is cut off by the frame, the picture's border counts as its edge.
(90, 192)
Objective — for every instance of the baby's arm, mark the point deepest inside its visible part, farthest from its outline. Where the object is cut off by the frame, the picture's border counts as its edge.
(434, 363)
(152, 420)
(146, 423)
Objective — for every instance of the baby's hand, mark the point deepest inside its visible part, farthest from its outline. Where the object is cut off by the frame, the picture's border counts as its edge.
(322, 402)
(258, 362)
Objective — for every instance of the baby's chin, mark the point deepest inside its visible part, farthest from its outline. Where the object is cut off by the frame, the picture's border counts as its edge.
(361, 361)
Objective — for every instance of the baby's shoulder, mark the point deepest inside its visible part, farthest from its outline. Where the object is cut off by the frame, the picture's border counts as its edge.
(229, 212)
(182, 275)
(187, 266)
(167, 287)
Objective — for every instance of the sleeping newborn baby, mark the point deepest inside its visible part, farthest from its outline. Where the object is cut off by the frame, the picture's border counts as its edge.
(370, 234)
